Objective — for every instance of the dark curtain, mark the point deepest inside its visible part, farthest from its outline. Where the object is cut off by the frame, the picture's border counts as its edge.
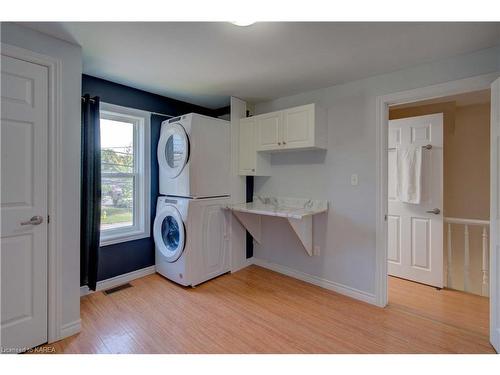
(90, 192)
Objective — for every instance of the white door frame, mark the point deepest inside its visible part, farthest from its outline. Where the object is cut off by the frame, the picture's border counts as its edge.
(475, 83)
(54, 266)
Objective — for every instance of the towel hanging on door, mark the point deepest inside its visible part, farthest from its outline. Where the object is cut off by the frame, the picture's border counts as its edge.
(409, 174)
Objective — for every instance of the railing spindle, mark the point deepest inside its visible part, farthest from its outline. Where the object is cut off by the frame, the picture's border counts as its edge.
(448, 267)
(484, 269)
(466, 259)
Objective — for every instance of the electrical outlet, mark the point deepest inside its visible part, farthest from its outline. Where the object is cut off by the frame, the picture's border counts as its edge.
(316, 250)
(354, 179)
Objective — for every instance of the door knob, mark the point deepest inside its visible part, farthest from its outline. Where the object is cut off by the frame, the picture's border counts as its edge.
(35, 220)
(435, 211)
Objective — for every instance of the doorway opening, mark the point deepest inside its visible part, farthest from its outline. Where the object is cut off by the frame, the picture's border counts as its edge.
(439, 209)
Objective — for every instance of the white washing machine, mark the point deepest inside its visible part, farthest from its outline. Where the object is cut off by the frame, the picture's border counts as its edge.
(192, 239)
(194, 155)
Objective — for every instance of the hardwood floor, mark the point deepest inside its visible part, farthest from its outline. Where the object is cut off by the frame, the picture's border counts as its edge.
(259, 311)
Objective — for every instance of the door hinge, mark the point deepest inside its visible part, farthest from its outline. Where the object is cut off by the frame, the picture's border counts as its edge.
(385, 217)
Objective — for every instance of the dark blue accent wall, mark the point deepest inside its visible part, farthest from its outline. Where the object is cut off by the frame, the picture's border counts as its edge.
(129, 256)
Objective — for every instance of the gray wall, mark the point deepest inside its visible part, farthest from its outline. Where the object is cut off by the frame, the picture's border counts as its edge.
(71, 78)
(347, 233)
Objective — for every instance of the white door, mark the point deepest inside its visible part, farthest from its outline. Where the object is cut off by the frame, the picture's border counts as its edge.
(24, 129)
(269, 128)
(495, 217)
(298, 126)
(415, 231)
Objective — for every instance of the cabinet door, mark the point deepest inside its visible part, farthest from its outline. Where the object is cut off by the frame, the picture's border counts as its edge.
(215, 242)
(247, 156)
(269, 131)
(298, 127)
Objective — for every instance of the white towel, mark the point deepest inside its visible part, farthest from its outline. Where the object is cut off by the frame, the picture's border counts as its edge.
(409, 174)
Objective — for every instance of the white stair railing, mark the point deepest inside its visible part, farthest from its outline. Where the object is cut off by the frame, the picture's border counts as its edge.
(485, 224)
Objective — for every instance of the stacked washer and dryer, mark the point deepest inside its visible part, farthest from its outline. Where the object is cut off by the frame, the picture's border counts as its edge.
(191, 226)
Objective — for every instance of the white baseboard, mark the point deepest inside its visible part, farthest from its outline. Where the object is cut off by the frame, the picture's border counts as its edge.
(324, 283)
(70, 329)
(245, 264)
(118, 280)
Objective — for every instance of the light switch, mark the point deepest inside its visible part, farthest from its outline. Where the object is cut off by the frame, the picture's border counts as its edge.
(354, 179)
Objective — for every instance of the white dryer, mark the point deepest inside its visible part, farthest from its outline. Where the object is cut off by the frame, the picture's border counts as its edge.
(192, 239)
(194, 155)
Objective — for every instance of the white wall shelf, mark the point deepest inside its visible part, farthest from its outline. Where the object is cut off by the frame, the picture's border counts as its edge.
(298, 212)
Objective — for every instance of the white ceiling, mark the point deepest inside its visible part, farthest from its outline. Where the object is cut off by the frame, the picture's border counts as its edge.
(204, 63)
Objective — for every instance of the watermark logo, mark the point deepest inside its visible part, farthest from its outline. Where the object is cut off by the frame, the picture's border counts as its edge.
(38, 350)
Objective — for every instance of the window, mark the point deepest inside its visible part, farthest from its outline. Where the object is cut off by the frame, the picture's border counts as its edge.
(124, 174)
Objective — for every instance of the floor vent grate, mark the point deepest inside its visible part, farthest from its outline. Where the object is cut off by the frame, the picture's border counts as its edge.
(117, 288)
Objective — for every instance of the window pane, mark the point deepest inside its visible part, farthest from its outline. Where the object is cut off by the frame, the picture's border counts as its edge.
(117, 146)
(117, 203)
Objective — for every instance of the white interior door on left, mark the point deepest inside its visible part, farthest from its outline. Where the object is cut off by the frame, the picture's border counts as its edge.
(24, 168)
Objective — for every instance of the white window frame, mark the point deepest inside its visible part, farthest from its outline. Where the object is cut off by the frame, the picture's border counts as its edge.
(142, 179)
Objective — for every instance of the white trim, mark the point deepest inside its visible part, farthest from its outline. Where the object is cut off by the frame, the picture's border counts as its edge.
(54, 230)
(118, 280)
(324, 283)
(244, 264)
(72, 328)
(476, 83)
(459, 220)
(142, 173)
(494, 265)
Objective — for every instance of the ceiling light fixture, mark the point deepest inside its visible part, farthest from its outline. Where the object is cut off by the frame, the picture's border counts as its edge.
(243, 23)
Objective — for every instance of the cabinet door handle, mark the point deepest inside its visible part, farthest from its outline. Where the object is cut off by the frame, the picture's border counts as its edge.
(279, 143)
(284, 142)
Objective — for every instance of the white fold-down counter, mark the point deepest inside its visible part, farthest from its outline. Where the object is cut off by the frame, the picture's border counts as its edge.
(297, 211)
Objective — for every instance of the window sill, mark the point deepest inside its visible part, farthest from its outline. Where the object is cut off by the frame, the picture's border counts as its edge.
(119, 238)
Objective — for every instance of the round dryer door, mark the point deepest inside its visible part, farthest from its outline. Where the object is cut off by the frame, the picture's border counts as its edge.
(169, 233)
(173, 150)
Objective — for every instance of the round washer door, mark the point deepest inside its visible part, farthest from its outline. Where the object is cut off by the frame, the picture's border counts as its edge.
(169, 233)
(173, 150)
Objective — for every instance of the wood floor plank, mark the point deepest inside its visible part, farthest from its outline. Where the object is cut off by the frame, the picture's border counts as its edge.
(259, 311)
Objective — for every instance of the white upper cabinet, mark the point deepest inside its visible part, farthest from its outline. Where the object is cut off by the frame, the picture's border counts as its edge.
(269, 131)
(247, 147)
(298, 128)
(251, 163)
(295, 128)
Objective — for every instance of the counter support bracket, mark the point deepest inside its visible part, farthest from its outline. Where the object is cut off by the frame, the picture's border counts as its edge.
(298, 212)
(303, 230)
(252, 224)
